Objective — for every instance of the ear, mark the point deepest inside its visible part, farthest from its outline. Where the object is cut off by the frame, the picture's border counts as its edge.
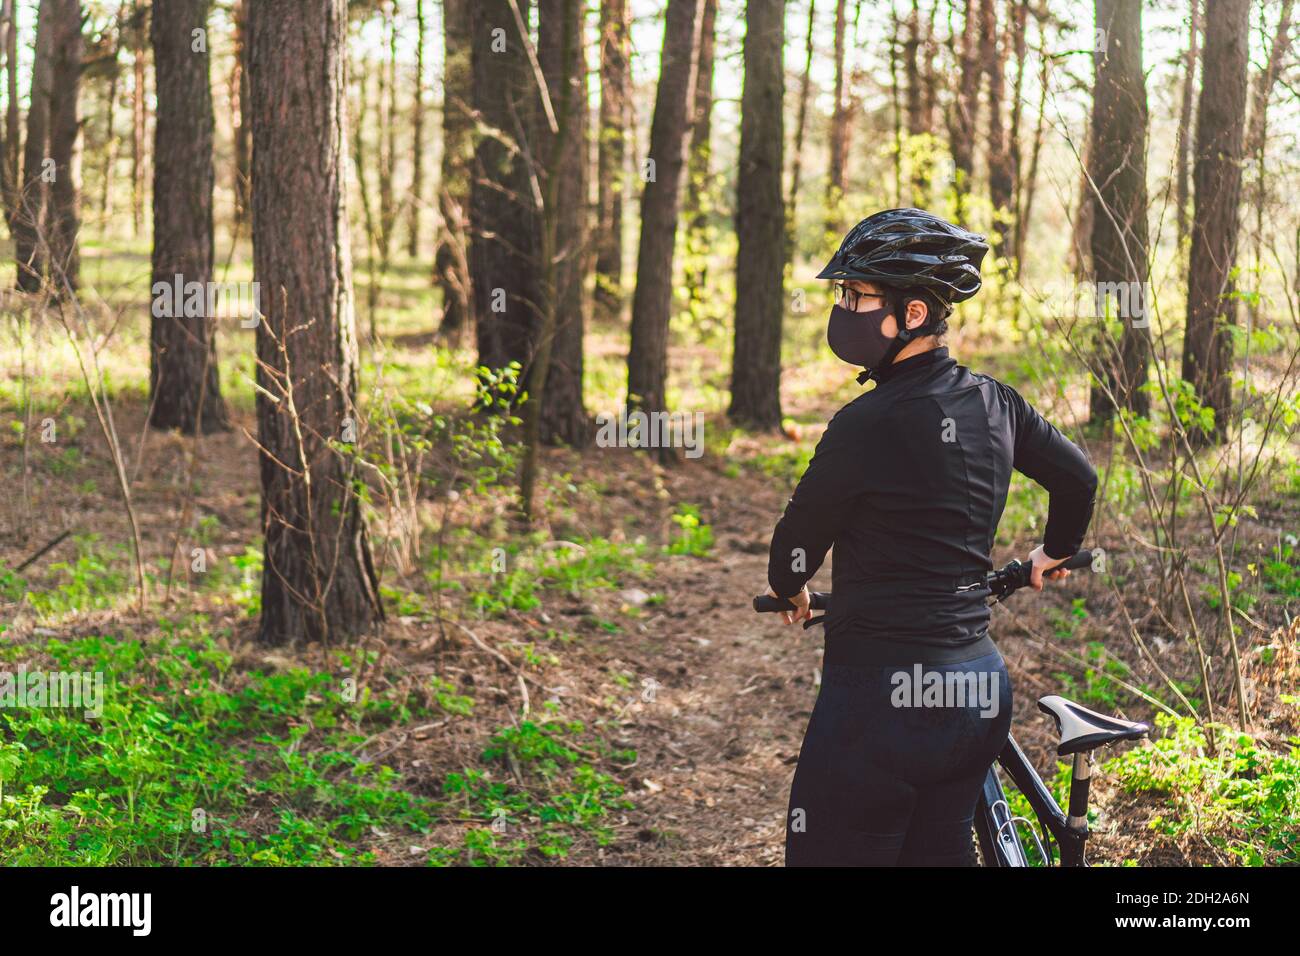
(917, 313)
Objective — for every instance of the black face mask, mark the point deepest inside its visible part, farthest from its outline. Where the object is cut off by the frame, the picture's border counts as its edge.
(857, 338)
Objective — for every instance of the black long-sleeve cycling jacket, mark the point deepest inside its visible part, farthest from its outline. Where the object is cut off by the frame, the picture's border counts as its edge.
(908, 483)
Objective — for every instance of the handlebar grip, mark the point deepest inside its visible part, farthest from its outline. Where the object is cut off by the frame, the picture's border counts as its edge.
(1081, 560)
(765, 603)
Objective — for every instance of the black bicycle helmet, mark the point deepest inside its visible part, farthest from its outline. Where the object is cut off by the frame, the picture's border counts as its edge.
(911, 249)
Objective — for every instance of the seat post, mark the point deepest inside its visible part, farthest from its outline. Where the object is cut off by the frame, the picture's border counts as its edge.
(1079, 782)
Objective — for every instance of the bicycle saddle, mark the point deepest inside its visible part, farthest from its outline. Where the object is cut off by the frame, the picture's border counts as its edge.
(1082, 729)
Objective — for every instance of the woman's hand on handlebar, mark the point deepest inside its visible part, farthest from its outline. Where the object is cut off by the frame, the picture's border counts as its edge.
(801, 602)
(1042, 567)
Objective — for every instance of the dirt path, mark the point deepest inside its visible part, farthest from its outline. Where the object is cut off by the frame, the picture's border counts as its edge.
(720, 739)
(719, 742)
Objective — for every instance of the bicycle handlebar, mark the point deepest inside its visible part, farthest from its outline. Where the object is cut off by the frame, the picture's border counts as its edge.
(766, 602)
(1001, 583)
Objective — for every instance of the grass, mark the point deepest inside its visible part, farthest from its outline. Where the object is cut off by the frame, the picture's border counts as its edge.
(1243, 799)
(93, 580)
(693, 536)
(514, 577)
(192, 762)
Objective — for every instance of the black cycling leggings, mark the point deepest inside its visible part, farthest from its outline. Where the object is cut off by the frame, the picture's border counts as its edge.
(887, 775)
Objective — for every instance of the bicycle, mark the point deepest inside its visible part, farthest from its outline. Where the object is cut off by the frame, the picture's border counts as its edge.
(1080, 731)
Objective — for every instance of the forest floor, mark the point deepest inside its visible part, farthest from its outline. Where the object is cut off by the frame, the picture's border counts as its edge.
(669, 663)
(611, 698)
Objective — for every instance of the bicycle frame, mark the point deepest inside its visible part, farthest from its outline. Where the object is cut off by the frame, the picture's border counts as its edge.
(995, 826)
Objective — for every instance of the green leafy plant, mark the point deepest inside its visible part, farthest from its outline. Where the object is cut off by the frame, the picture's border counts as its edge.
(1243, 797)
(694, 537)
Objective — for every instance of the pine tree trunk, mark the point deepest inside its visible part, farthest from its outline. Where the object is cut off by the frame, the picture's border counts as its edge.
(31, 218)
(1257, 137)
(1183, 135)
(1119, 228)
(1029, 181)
(361, 160)
(504, 265)
(698, 200)
(896, 44)
(110, 120)
(611, 161)
(184, 385)
(652, 302)
(1216, 181)
(760, 266)
(1001, 185)
(239, 93)
(1085, 210)
(417, 136)
(65, 192)
(562, 57)
(916, 99)
(386, 112)
(1018, 48)
(9, 153)
(839, 139)
(451, 257)
(801, 126)
(319, 582)
(928, 78)
(139, 111)
(964, 117)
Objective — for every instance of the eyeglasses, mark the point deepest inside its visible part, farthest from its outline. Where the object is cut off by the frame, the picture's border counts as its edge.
(850, 298)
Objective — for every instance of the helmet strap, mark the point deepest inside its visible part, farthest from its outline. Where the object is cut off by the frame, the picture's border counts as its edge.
(904, 336)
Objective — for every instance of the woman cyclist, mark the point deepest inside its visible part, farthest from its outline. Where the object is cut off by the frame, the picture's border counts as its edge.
(908, 483)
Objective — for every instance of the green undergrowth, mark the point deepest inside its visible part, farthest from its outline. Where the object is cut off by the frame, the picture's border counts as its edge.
(1243, 798)
(193, 762)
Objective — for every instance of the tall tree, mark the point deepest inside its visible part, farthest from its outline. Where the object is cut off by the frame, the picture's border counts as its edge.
(1257, 134)
(698, 201)
(10, 153)
(652, 302)
(362, 160)
(801, 126)
(30, 220)
(451, 257)
(611, 162)
(760, 263)
(65, 190)
(562, 57)
(1084, 210)
(1216, 182)
(417, 136)
(319, 581)
(239, 96)
(184, 385)
(139, 108)
(993, 58)
(963, 117)
(110, 117)
(839, 138)
(897, 52)
(1017, 47)
(1183, 135)
(918, 70)
(1027, 184)
(1118, 171)
(386, 138)
(503, 260)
